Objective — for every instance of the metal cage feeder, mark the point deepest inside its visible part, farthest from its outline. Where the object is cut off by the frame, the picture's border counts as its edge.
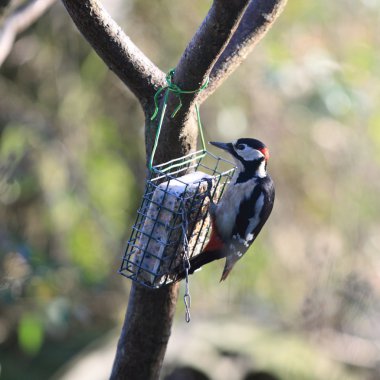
(172, 223)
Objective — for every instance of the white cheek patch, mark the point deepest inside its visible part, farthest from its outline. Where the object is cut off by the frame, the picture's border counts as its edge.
(249, 154)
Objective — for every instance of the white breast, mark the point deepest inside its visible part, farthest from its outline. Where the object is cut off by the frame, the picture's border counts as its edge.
(228, 207)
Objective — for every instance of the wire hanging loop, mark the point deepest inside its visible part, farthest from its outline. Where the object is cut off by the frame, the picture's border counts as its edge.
(177, 91)
(186, 264)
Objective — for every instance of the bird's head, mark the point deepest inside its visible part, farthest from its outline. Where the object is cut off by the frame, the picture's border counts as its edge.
(250, 155)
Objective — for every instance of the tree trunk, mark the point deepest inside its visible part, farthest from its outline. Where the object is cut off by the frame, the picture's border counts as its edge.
(143, 340)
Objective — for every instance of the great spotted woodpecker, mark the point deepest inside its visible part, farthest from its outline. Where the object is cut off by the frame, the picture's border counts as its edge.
(244, 208)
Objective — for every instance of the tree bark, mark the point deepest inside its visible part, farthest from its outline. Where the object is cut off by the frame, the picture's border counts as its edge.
(145, 333)
(216, 48)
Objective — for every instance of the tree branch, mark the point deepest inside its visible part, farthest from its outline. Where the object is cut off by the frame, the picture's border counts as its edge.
(256, 21)
(116, 49)
(21, 19)
(209, 42)
(194, 66)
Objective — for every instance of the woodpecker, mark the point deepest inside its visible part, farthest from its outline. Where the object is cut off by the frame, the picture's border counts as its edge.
(247, 202)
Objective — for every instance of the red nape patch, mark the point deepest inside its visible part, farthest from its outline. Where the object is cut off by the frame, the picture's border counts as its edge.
(265, 152)
(215, 243)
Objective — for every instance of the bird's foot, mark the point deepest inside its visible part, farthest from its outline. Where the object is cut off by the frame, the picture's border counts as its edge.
(212, 205)
(209, 188)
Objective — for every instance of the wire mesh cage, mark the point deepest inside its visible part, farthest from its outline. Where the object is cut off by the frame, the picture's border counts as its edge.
(172, 223)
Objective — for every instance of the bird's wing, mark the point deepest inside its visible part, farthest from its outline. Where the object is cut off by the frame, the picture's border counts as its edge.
(253, 213)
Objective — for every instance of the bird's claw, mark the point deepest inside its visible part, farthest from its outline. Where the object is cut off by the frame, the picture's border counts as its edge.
(209, 188)
(212, 205)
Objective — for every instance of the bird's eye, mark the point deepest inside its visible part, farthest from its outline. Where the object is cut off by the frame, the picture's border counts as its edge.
(240, 147)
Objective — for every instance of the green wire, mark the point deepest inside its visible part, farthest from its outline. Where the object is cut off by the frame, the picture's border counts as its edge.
(176, 90)
(200, 127)
(158, 130)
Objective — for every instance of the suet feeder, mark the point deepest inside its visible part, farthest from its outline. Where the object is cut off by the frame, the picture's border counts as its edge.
(172, 223)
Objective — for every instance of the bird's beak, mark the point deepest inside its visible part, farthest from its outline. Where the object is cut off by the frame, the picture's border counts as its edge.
(224, 146)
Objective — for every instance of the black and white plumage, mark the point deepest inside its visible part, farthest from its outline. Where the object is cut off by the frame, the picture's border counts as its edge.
(244, 208)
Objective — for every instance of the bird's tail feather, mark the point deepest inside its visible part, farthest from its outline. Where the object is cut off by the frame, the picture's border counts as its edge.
(230, 262)
(202, 259)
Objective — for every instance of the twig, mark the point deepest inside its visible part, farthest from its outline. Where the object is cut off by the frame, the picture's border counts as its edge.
(21, 19)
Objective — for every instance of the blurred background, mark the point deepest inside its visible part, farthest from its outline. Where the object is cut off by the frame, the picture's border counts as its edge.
(305, 304)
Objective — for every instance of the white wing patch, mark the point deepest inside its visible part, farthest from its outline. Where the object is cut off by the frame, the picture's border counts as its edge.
(255, 220)
(250, 237)
(241, 240)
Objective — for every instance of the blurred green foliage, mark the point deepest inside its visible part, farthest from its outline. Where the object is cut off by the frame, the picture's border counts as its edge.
(72, 167)
(30, 334)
